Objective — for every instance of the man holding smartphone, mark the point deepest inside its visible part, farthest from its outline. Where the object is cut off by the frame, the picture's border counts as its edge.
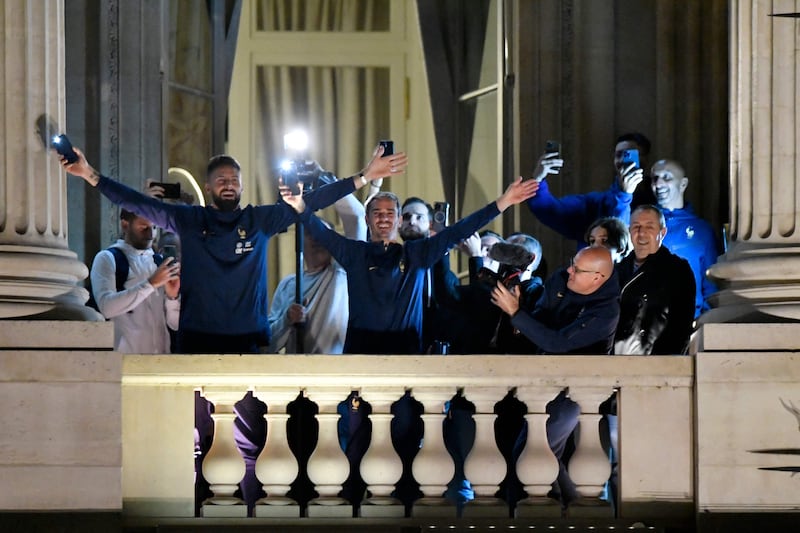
(147, 302)
(571, 215)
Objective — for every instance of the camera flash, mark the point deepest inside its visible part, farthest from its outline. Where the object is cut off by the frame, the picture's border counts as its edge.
(296, 141)
(56, 139)
(286, 165)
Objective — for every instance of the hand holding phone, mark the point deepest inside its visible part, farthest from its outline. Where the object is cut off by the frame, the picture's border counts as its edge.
(61, 144)
(171, 190)
(441, 212)
(388, 147)
(631, 156)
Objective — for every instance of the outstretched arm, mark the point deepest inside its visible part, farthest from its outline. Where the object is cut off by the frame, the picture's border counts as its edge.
(517, 192)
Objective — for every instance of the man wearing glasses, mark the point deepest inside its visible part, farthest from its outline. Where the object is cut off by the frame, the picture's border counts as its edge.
(577, 313)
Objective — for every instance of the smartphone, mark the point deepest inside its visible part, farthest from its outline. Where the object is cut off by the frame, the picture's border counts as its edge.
(631, 156)
(169, 250)
(552, 147)
(171, 190)
(61, 144)
(441, 213)
(388, 147)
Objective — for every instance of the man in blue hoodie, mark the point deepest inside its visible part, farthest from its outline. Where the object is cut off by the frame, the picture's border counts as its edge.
(688, 235)
(571, 215)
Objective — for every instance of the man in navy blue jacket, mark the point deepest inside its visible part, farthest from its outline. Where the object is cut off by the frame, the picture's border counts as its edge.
(578, 313)
(386, 279)
(224, 304)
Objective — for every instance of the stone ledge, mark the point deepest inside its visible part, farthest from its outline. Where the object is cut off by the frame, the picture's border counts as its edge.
(747, 337)
(56, 334)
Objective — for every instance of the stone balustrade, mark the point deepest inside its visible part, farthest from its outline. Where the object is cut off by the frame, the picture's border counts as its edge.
(655, 413)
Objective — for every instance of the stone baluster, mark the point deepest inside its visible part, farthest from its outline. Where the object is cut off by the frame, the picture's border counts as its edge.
(39, 275)
(223, 466)
(485, 466)
(381, 467)
(276, 466)
(537, 467)
(328, 467)
(433, 466)
(590, 467)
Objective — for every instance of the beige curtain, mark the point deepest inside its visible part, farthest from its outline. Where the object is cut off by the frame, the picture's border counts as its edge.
(343, 109)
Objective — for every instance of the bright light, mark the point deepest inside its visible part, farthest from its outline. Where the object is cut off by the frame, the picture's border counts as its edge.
(296, 141)
(56, 139)
(286, 165)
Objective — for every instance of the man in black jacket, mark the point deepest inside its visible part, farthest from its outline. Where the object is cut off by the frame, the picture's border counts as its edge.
(658, 289)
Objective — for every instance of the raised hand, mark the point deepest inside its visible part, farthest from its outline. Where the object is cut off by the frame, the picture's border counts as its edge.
(517, 192)
(383, 167)
(630, 178)
(294, 200)
(548, 164)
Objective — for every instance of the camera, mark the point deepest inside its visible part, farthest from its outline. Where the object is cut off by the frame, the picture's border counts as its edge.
(61, 144)
(513, 259)
(296, 171)
(388, 147)
(441, 214)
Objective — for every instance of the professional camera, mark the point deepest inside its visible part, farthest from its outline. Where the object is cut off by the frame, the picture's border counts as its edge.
(513, 259)
(308, 172)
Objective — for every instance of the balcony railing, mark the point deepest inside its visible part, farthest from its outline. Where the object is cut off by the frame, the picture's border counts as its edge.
(655, 432)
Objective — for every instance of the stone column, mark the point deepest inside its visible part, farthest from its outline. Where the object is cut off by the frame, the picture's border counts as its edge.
(38, 272)
(760, 273)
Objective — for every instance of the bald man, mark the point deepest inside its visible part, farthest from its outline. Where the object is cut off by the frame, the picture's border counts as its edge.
(578, 311)
(688, 235)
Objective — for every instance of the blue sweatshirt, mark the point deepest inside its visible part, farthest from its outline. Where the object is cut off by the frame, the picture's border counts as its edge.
(571, 215)
(386, 283)
(692, 238)
(223, 254)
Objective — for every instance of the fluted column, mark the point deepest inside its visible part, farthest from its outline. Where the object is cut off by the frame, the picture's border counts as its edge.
(761, 270)
(38, 272)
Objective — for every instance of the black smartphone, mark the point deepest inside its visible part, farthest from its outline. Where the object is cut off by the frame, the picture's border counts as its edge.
(61, 144)
(169, 250)
(631, 156)
(552, 147)
(388, 147)
(171, 190)
(441, 213)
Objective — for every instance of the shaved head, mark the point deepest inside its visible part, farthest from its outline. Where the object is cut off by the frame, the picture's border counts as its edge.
(590, 269)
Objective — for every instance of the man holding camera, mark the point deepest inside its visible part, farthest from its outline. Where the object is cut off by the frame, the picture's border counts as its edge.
(578, 314)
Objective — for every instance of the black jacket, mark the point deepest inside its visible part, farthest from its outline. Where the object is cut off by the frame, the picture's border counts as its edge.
(566, 322)
(657, 305)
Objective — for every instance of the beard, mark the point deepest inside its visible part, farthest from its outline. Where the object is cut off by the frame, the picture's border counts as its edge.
(224, 204)
(410, 233)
